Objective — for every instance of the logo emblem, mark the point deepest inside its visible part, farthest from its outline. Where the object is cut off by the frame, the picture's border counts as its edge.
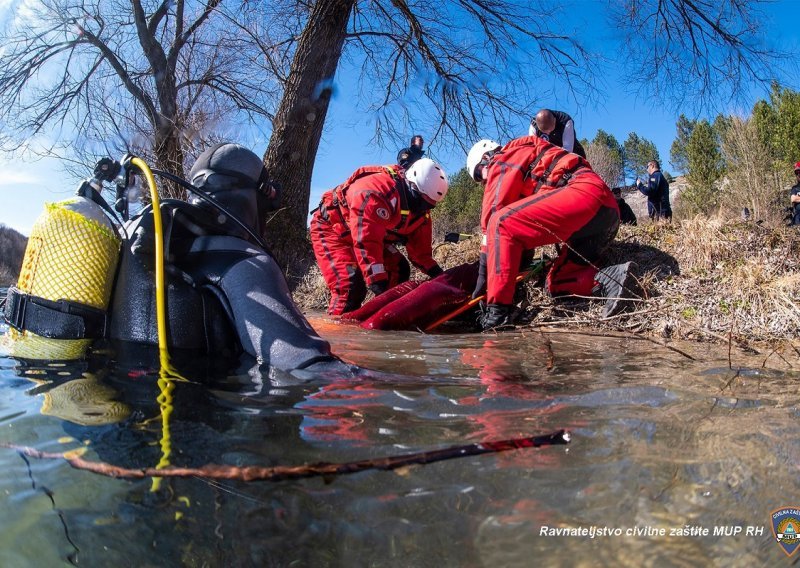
(382, 213)
(786, 528)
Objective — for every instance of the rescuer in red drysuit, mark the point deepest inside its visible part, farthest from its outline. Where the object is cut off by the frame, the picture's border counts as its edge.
(538, 194)
(358, 223)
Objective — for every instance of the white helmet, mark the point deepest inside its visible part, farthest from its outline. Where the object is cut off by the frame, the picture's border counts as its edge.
(475, 155)
(429, 177)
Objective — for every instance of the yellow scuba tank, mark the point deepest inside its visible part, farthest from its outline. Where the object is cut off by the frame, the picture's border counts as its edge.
(59, 304)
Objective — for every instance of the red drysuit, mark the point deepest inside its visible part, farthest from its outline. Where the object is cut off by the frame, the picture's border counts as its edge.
(354, 230)
(417, 304)
(538, 194)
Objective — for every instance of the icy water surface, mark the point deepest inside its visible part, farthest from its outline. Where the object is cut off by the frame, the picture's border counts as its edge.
(661, 442)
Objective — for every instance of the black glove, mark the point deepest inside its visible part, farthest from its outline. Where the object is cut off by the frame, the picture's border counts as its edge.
(435, 271)
(526, 260)
(451, 237)
(379, 288)
(480, 285)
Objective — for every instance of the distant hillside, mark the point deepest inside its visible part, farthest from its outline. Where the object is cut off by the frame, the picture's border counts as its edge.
(12, 249)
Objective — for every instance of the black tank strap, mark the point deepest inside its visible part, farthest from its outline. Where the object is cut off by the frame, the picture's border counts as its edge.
(61, 319)
(540, 180)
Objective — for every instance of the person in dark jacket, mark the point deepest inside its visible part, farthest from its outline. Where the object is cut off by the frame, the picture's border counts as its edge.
(414, 152)
(626, 214)
(657, 192)
(794, 196)
(558, 128)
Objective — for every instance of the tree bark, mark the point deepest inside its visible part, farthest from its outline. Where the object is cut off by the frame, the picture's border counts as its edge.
(297, 128)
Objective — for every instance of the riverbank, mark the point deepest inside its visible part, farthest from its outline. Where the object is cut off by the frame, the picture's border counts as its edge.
(711, 280)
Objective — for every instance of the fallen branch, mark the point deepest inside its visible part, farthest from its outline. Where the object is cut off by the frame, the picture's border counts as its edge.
(543, 328)
(277, 473)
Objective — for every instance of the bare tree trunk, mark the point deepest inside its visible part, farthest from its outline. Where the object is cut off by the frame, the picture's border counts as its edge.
(297, 128)
(169, 157)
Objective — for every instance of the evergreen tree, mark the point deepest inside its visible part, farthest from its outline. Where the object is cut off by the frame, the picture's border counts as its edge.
(677, 152)
(706, 167)
(637, 152)
(764, 121)
(460, 210)
(787, 127)
(777, 124)
(606, 156)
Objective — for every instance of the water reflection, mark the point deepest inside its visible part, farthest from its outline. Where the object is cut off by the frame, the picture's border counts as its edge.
(660, 440)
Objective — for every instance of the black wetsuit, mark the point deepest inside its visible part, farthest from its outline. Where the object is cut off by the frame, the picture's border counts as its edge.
(557, 135)
(225, 295)
(626, 214)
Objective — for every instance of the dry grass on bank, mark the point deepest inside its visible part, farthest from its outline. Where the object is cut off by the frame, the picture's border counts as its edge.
(712, 279)
(703, 279)
(311, 294)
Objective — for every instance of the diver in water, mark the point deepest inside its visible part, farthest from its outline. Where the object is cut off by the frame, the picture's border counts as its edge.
(225, 295)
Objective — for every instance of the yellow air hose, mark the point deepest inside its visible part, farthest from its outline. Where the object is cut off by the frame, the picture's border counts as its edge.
(166, 373)
(161, 305)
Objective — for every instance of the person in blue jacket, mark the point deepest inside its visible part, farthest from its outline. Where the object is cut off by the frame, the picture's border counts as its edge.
(657, 191)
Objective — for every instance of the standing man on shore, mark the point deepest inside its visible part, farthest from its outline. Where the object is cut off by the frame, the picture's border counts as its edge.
(657, 192)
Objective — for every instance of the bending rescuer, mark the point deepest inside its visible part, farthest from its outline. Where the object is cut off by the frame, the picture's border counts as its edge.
(358, 225)
(535, 194)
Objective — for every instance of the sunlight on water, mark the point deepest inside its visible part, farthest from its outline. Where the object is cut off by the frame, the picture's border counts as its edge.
(660, 441)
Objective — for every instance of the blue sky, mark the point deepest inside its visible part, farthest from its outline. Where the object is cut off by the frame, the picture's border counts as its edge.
(346, 143)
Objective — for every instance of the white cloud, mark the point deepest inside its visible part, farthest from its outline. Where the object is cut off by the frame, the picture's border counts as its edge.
(19, 178)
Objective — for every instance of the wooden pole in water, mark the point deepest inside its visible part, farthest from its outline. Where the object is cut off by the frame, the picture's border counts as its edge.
(278, 473)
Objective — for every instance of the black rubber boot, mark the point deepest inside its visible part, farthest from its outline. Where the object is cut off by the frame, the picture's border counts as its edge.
(617, 284)
(497, 316)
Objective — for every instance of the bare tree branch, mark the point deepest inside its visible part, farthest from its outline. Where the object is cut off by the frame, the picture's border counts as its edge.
(157, 82)
(695, 53)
